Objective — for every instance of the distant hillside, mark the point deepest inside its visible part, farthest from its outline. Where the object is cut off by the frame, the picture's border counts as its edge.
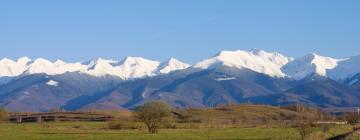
(250, 115)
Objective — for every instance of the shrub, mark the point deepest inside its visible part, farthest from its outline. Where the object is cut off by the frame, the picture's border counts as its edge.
(121, 125)
(224, 108)
(170, 126)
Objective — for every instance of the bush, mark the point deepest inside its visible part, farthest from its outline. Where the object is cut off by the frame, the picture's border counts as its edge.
(121, 125)
(170, 126)
(77, 126)
(224, 108)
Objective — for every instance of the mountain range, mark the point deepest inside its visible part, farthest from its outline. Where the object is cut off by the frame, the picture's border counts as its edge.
(255, 76)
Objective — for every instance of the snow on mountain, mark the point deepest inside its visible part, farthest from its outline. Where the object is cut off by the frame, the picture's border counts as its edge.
(136, 67)
(269, 63)
(10, 68)
(23, 60)
(353, 82)
(52, 83)
(346, 69)
(101, 67)
(129, 68)
(171, 65)
(133, 67)
(42, 65)
(309, 64)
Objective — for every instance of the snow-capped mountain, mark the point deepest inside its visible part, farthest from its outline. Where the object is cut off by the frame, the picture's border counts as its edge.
(269, 63)
(23, 60)
(42, 65)
(347, 68)
(228, 77)
(101, 67)
(129, 68)
(308, 65)
(10, 68)
(171, 65)
(135, 67)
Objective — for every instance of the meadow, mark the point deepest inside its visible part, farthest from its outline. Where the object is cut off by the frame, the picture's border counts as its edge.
(100, 131)
(244, 122)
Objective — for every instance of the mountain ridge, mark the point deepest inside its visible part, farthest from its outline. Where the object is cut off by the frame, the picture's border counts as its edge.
(254, 76)
(270, 63)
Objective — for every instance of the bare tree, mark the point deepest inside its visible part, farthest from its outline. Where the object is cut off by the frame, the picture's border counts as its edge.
(153, 114)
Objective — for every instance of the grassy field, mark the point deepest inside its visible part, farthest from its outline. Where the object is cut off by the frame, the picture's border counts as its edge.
(240, 122)
(100, 131)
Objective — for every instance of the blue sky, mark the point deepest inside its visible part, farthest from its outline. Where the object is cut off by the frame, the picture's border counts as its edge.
(189, 30)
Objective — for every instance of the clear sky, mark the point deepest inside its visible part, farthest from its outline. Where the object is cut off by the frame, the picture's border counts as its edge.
(189, 30)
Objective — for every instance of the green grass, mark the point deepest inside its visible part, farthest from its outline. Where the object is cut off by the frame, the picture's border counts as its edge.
(244, 122)
(99, 131)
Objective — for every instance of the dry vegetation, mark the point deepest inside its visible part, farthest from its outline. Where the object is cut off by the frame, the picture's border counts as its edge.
(248, 115)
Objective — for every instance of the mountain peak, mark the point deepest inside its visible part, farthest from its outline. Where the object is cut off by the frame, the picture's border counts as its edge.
(310, 64)
(41, 61)
(257, 51)
(173, 61)
(98, 61)
(136, 67)
(10, 68)
(59, 62)
(23, 60)
(6, 60)
(99, 67)
(347, 68)
(102, 60)
(132, 59)
(256, 60)
(172, 65)
(138, 61)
